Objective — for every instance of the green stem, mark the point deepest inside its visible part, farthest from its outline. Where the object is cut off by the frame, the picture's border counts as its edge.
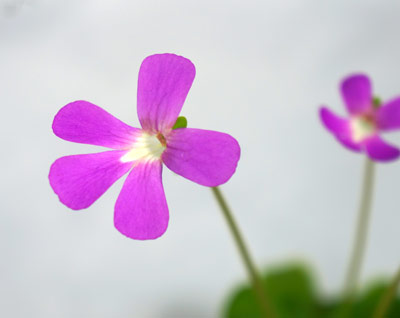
(387, 297)
(353, 272)
(244, 253)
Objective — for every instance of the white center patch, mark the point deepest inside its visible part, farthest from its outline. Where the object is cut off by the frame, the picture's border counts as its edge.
(361, 128)
(146, 147)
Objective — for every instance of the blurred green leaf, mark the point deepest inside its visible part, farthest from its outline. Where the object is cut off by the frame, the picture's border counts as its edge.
(292, 293)
(181, 122)
(243, 304)
(329, 308)
(290, 290)
(369, 300)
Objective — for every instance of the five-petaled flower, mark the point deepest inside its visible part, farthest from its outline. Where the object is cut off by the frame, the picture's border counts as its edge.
(361, 132)
(206, 157)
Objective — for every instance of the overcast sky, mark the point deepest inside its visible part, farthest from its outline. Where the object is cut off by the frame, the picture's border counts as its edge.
(263, 69)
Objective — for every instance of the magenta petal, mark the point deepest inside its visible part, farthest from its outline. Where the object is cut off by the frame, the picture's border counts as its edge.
(203, 156)
(164, 81)
(339, 127)
(86, 123)
(357, 93)
(388, 115)
(80, 180)
(379, 150)
(141, 211)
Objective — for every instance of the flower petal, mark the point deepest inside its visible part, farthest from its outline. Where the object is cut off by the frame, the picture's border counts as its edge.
(388, 115)
(357, 93)
(339, 127)
(164, 81)
(86, 123)
(379, 150)
(80, 180)
(141, 211)
(203, 156)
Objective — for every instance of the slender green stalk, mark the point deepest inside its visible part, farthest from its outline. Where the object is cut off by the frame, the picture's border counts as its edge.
(244, 253)
(354, 268)
(387, 297)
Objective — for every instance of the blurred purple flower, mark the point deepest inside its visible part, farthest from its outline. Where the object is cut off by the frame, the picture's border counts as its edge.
(361, 132)
(206, 157)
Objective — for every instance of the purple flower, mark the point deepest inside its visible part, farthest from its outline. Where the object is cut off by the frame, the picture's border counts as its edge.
(206, 157)
(361, 132)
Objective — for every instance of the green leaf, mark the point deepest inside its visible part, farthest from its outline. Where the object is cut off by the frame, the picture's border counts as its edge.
(292, 294)
(365, 304)
(181, 122)
(329, 308)
(290, 290)
(243, 304)
(370, 298)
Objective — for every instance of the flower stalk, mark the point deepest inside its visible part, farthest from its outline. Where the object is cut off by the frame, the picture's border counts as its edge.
(245, 255)
(354, 268)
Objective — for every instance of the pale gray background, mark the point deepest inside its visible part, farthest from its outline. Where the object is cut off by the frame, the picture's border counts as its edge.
(263, 69)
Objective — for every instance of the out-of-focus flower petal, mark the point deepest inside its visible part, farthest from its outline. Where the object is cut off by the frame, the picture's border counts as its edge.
(357, 93)
(203, 156)
(141, 211)
(79, 180)
(379, 150)
(86, 123)
(164, 82)
(340, 128)
(388, 115)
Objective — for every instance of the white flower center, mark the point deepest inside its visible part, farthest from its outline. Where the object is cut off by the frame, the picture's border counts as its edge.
(362, 127)
(146, 147)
